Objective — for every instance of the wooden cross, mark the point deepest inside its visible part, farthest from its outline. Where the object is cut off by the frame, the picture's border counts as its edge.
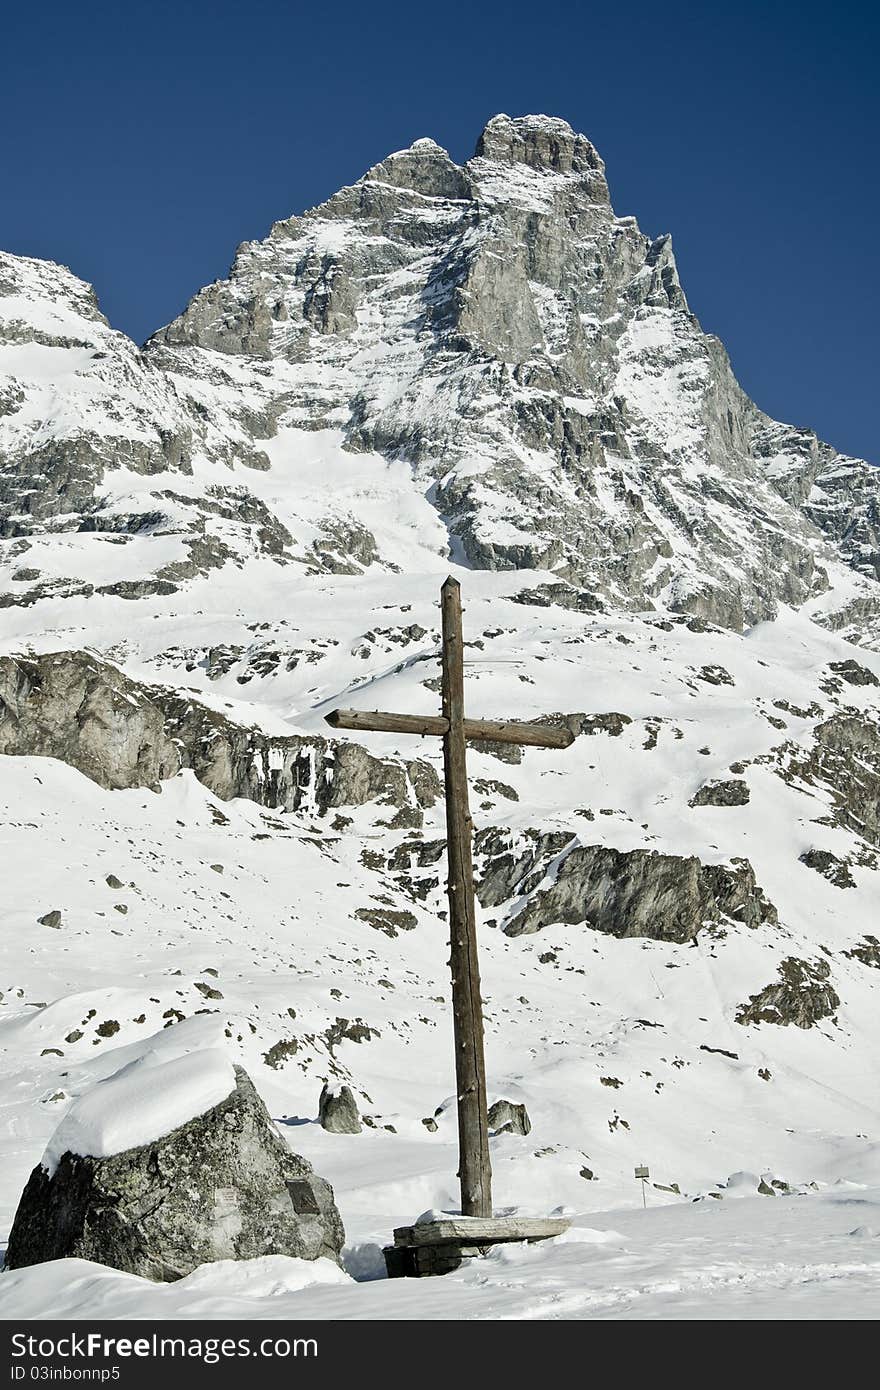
(475, 1172)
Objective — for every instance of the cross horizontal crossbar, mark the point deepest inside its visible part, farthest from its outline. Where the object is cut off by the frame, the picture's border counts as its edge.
(480, 730)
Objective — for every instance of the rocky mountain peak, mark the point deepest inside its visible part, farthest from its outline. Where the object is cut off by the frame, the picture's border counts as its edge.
(425, 167)
(44, 299)
(543, 143)
(526, 356)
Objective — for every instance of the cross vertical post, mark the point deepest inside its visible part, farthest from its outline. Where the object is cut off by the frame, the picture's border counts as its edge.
(475, 1170)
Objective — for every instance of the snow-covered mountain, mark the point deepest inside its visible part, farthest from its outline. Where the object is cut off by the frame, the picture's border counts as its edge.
(210, 542)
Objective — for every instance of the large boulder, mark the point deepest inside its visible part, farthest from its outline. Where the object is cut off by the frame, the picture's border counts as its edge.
(222, 1185)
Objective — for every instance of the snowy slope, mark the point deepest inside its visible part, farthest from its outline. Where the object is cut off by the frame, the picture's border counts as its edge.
(481, 370)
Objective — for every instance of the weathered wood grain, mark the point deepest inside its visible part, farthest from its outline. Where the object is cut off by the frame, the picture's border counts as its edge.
(493, 1231)
(475, 1169)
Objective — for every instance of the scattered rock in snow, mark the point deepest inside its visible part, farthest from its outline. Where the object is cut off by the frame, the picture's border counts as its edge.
(853, 673)
(715, 675)
(612, 723)
(338, 1111)
(387, 920)
(346, 1030)
(559, 596)
(729, 793)
(208, 991)
(829, 866)
(487, 786)
(867, 951)
(845, 758)
(279, 1052)
(51, 919)
(505, 1117)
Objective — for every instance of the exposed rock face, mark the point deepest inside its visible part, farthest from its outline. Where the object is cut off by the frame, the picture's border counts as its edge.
(337, 1110)
(118, 410)
(624, 893)
(845, 759)
(70, 705)
(505, 1117)
(223, 1186)
(803, 996)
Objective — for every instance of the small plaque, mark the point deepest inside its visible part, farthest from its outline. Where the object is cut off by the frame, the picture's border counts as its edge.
(642, 1173)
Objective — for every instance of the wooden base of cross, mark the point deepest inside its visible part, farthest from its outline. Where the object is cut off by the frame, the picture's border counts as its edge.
(475, 1171)
(439, 1247)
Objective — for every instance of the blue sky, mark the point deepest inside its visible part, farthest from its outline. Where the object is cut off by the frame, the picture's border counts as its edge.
(142, 142)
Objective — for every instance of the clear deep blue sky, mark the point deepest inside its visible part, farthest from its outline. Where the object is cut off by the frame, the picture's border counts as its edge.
(142, 141)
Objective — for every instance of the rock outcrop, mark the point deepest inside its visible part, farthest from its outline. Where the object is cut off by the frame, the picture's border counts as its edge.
(802, 996)
(844, 760)
(836, 870)
(120, 733)
(222, 1186)
(665, 897)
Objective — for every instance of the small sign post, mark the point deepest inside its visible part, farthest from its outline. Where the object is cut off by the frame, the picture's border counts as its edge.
(644, 1175)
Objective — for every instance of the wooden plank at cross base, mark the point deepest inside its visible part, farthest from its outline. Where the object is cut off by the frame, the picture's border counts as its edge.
(475, 1170)
(439, 1247)
(494, 1231)
(475, 730)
